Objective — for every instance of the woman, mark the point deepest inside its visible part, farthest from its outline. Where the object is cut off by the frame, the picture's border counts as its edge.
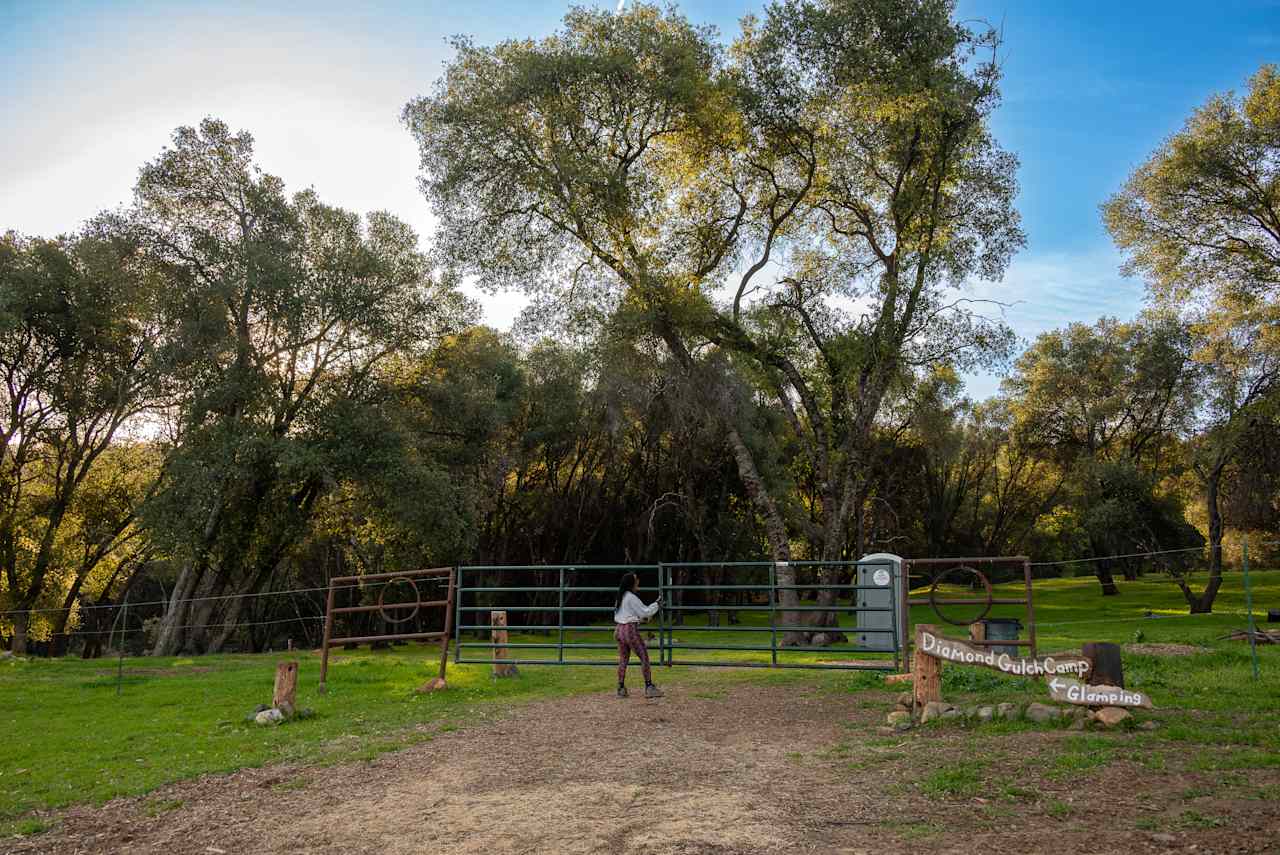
(629, 610)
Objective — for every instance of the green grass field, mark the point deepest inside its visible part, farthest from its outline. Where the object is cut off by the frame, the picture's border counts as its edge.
(71, 738)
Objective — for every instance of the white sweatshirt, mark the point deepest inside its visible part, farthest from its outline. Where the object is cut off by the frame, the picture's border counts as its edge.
(633, 610)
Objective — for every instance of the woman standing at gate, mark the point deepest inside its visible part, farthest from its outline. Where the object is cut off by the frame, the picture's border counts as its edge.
(629, 610)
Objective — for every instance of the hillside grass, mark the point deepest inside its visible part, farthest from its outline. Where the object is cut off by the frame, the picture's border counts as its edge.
(71, 738)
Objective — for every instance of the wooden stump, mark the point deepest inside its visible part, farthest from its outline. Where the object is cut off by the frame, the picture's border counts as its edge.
(1105, 667)
(498, 622)
(977, 631)
(286, 687)
(926, 670)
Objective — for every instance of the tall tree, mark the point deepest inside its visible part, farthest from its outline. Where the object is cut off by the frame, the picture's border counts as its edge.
(1100, 401)
(625, 152)
(281, 312)
(78, 326)
(1200, 221)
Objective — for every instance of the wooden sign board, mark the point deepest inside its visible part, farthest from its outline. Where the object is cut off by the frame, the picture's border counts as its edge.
(951, 650)
(1066, 690)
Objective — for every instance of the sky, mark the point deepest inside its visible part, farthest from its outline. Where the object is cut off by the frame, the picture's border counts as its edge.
(89, 91)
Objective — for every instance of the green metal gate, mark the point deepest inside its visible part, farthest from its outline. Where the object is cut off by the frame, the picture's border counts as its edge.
(566, 613)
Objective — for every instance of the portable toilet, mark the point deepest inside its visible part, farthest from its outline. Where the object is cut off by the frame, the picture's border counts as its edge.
(880, 583)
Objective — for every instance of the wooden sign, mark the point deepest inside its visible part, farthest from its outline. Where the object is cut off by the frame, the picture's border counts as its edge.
(1070, 691)
(951, 650)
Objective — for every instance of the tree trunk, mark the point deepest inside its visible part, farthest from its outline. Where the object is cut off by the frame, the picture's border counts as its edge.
(1103, 572)
(1202, 603)
(21, 621)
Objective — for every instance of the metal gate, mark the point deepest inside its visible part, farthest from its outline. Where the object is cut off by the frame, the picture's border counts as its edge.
(566, 613)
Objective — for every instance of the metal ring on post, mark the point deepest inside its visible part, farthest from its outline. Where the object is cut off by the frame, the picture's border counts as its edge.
(417, 596)
(933, 594)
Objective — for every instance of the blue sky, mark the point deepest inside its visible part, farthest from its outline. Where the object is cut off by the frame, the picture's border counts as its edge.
(91, 90)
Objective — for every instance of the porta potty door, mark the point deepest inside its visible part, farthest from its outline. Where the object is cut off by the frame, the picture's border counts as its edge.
(880, 589)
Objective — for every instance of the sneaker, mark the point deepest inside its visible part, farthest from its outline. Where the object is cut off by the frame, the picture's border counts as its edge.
(652, 692)
(622, 691)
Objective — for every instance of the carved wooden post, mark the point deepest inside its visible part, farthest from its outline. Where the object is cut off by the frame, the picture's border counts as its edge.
(926, 670)
(286, 687)
(498, 622)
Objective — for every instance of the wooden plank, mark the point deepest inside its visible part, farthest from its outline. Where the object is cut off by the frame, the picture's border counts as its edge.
(952, 650)
(1068, 691)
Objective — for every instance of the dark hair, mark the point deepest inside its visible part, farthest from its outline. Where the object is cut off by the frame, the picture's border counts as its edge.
(628, 582)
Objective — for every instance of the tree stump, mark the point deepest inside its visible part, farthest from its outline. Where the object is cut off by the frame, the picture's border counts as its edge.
(286, 687)
(926, 670)
(978, 631)
(498, 622)
(1105, 667)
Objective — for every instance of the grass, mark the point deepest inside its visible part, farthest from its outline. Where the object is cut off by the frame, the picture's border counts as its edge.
(73, 739)
(954, 780)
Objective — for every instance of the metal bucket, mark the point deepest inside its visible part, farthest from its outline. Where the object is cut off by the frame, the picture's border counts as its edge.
(1003, 629)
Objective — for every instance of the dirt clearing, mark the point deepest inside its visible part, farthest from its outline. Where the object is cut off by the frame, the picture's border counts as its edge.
(747, 769)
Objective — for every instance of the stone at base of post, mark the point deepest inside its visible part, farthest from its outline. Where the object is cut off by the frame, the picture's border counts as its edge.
(926, 671)
(435, 684)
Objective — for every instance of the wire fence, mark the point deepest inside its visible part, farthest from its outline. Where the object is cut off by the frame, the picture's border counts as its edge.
(315, 608)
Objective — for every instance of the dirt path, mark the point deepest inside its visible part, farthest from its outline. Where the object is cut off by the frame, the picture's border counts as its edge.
(748, 770)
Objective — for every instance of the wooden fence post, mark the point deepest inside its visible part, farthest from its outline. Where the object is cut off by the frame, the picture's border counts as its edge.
(926, 670)
(286, 687)
(498, 622)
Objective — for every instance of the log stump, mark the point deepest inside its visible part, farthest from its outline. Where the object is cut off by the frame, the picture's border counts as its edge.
(283, 698)
(977, 631)
(1105, 666)
(498, 632)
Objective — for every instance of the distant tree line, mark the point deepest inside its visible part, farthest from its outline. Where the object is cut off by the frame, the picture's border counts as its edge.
(748, 266)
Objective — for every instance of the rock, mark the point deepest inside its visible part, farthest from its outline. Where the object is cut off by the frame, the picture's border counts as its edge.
(1077, 724)
(951, 714)
(1041, 713)
(1008, 711)
(286, 709)
(1112, 716)
(900, 720)
(906, 700)
(1165, 839)
(306, 712)
(261, 708)
(932, 710)
(986, 713)
(1149, 725)
(268, 717)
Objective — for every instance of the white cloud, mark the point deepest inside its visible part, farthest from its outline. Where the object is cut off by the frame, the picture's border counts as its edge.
(1050, 290)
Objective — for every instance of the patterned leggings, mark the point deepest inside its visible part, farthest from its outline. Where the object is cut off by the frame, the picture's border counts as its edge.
(628, 636)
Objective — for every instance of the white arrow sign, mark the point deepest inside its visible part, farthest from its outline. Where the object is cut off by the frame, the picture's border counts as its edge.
(1075, 692)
